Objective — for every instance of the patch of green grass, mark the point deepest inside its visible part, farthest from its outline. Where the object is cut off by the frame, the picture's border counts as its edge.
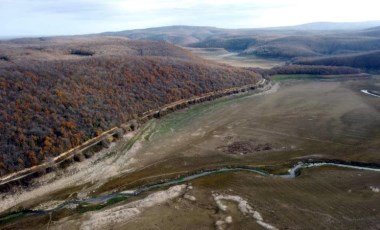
(107, 155)
(285, 77)
(181, 118)
(90, 208)
(141, 134)
(86, 207)
(296, 77)
(117, 199)
(10, 217)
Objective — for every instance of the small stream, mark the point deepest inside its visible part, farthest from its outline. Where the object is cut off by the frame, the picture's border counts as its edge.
(368, 92)
(296, 170)
(292, 173)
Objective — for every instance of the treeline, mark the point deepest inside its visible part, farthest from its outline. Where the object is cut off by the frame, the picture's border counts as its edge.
(280, 51)
(317, 69)
(367, 61)
(48, 107)
(294, 46)
(231, 44)
(289, 45)
(307, 69)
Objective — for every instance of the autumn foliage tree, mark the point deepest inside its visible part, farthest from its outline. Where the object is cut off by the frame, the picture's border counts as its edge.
(50, 106)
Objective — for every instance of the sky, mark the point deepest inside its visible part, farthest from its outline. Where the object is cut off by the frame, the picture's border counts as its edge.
(68, 17)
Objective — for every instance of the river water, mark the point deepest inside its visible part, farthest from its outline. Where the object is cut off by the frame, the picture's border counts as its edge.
(369, 93)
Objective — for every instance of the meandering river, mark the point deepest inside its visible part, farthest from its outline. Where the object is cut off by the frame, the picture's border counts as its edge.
(292, 173)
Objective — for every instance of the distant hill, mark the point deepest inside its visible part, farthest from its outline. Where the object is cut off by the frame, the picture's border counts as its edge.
(325, 47)
(374, 31)
(232, 44)
(284, 46)
(333, 26)
(185, 35)
(320, 39)
(367, 61)
(180, 35)
(313, 45)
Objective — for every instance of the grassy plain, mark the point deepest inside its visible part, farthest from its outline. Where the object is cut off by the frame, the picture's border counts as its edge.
(307, 119)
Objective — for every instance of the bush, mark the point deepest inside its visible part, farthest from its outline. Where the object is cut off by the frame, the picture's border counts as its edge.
(82, 52)
(4, 58)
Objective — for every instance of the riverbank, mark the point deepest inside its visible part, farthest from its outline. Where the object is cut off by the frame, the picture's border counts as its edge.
(108, 200)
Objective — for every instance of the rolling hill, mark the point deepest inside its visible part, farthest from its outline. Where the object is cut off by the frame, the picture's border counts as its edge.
(326, 26)
(373, 32)
(367, 61)
(180, 35)
(185, 35)
(313, 40)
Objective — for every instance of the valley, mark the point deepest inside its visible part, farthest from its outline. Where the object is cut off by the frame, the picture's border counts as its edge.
(234, 59)
(299, 118)
(192, 127)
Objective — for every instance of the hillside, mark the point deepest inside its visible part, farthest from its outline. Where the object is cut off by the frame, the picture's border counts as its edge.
(58, 92)
(186, 35)
(374, 32)
(367, 61)
(70, 48)
(314, 41)
(180, 35)
(334, 26)
(291, 46)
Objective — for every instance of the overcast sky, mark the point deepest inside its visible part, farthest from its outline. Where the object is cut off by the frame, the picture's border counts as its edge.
(60, 17)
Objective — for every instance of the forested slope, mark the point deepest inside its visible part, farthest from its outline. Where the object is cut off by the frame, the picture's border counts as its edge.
(367, 61)
(49, 105)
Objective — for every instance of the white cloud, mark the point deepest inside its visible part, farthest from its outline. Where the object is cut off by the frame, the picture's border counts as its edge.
(43, 17)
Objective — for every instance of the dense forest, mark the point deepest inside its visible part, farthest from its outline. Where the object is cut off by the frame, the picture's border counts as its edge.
(48, 106)
(310, 70)
(367, 61)
(314, 69)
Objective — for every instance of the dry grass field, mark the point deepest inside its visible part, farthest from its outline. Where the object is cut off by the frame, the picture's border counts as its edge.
(300, 119)
(223, 56)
